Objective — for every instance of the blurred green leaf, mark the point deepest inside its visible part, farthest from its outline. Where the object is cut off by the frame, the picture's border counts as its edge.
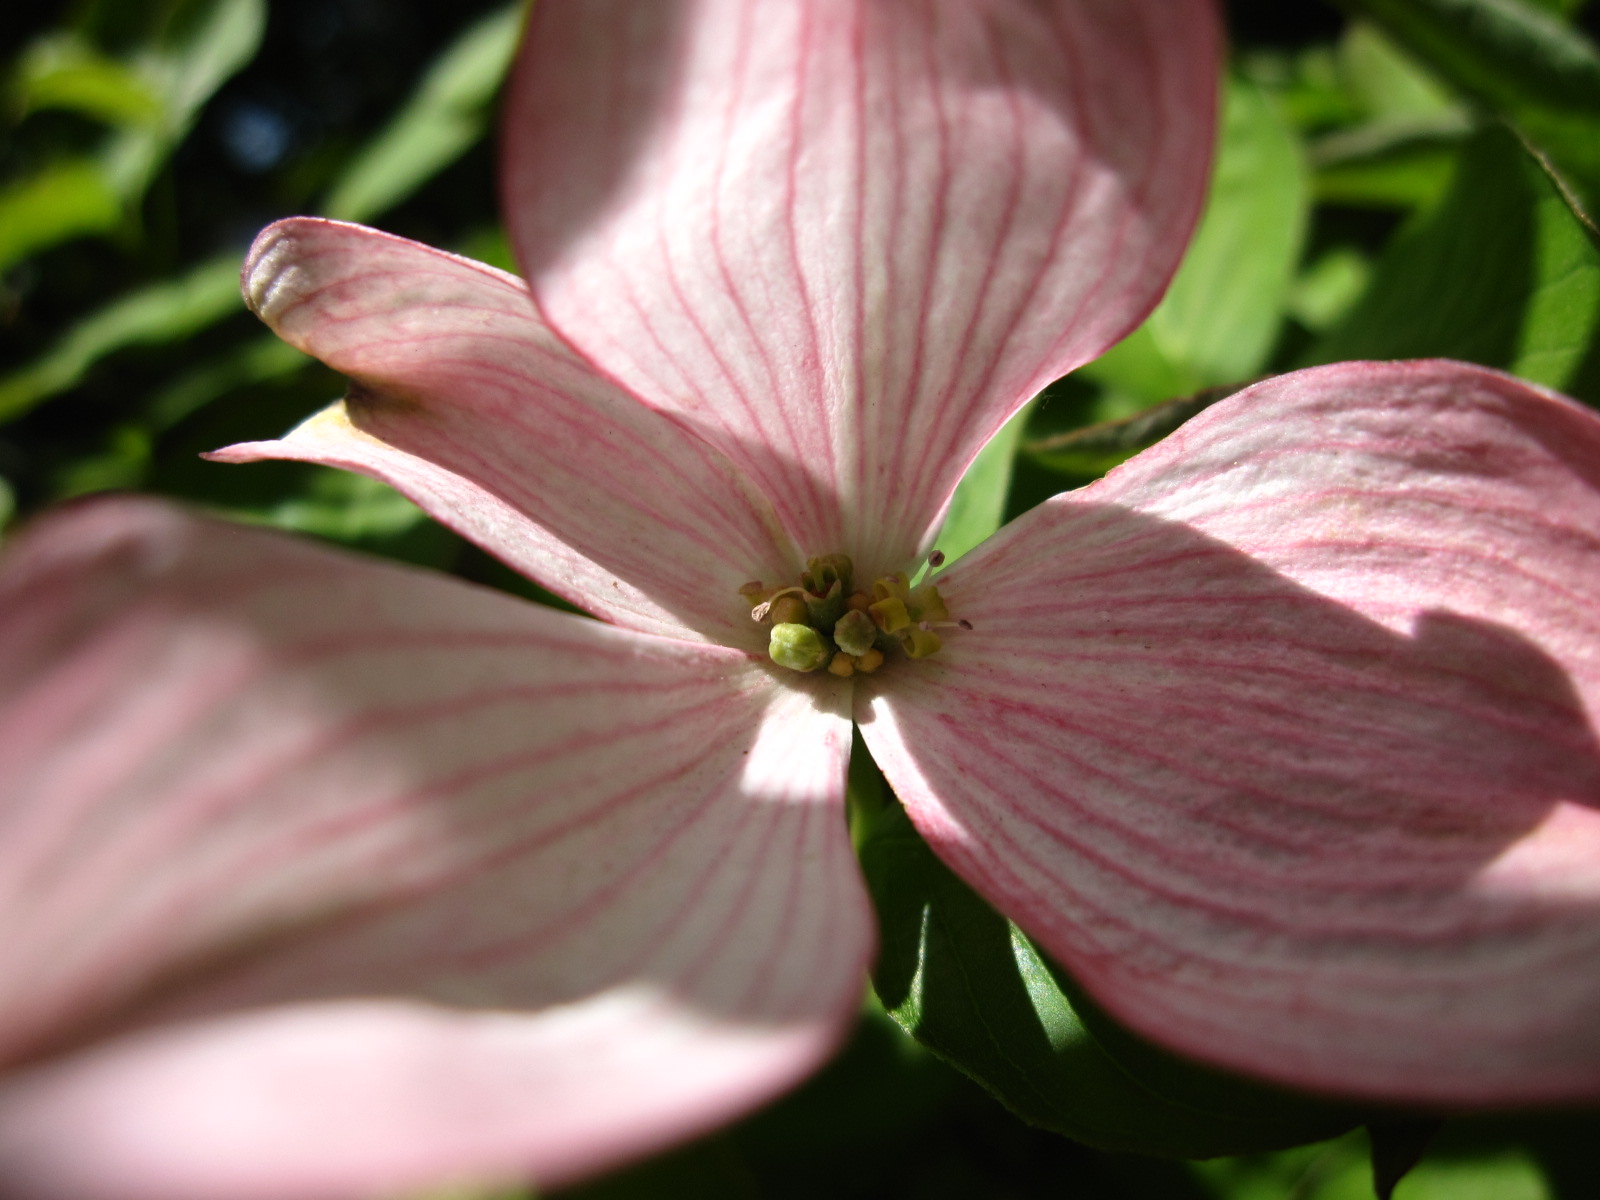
(1136, 373)
(1335, 1170)
(1396, 1147)
(1523, 62)
(972, 988)
(120, 464)
(449, 112)
(62, 71)
(1389, 164)
(126, 459)
(1500, 273)
(979, 503)
(1506, 1175)
(152, 97)
(1387, 82)
(1400, 153)
(264, 358)
(352, 510)
(64, 200)
(345, 507)
(198, 47)
(162, 312)
(1219, 319)
(1339, 1170)
(1092, 450)
(1329, 286)
(1307, 85)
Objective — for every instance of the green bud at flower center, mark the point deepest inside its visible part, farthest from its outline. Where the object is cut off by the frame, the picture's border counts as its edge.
(798, 647)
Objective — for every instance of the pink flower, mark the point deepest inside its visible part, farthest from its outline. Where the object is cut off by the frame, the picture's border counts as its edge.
(328, 878)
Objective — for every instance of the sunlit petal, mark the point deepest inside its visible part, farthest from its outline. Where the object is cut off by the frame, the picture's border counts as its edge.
(847, 239)
(1282, 737)
(323, 878)
(462, 399)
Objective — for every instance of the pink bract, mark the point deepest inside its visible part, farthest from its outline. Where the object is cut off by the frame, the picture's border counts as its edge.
(329, 878)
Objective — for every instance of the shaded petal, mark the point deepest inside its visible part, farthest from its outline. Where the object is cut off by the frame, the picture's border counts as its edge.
(1282, 737)
(325, 878)
(464, 401)
(848, 239)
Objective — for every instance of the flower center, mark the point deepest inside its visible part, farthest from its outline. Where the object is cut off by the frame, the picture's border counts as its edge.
(823, 621)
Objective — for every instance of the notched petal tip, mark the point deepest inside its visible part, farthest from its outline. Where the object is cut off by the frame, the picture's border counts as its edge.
(270, 278)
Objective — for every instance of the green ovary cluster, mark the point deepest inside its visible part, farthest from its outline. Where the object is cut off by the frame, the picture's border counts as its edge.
(824, 622)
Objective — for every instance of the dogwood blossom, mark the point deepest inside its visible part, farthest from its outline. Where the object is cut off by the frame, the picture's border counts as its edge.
(325, 877)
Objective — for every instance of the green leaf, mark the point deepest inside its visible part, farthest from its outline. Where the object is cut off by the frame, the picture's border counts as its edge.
(1500, 273)
(254, 362)
(1092, 450)
(1389, 164)
(1339, 1170)
(1397, 1146)
(346, 507)
(979, 503)
(61, 71)
(64, 200)
(1219, 319)
(1329, 287)
(351, 510)
(199, 47)
(1400, 154)
(1387, 82)
(128, 456)
(152, 98)
(449, 112)
(1221, 315)
(1523, 62)
(972, 988)
(1562, 8)
(159, 313)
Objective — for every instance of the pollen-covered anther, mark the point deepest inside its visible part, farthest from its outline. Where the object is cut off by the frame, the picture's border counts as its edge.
(927, 605)
(890, 614)
(855, 633)
(824, 622)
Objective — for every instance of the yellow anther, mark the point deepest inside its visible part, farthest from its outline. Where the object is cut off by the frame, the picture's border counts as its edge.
(928, 605)
(824, 622)
(890, 586)
(889, 614)
(920, 643)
